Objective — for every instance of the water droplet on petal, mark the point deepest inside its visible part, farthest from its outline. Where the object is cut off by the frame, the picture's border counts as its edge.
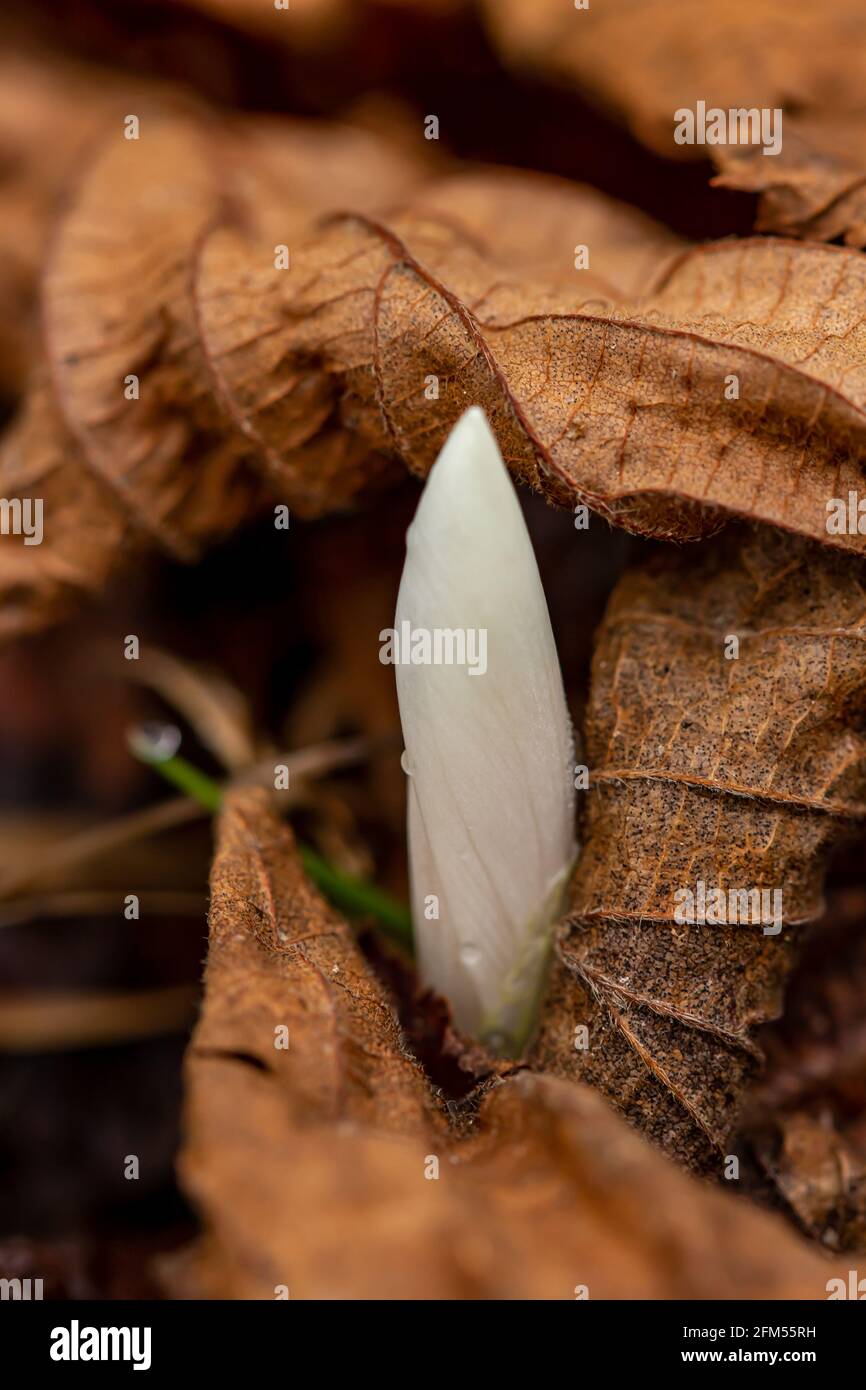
(469, 953)
(404, 762)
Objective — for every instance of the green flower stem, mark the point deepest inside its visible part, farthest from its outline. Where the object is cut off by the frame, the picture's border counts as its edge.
(357, 897)
(353, 895)
(188, 778)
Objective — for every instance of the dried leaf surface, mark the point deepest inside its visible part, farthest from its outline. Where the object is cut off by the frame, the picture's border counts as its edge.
(307, 1165)
(168, 465)
(116, 302)
(806, 1119)
(666, 389)
(378, 338)
(821, 1173)
(51, 112)
(645, 61)
(733, 386)
(174, 465)
(742, 774)
(85, 528)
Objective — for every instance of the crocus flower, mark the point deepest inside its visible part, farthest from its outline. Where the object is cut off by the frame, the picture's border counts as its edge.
(489, 749)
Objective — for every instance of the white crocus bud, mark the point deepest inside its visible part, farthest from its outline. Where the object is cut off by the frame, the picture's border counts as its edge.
(489, 748)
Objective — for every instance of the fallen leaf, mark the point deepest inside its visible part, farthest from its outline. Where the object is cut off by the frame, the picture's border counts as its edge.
(667, 389)
(119, 319)
(648, 59)
(307, 1163)
(816, 187)
(118, 471)
(331, 371)
(807, 1118)
(820, 1173)
(732, 386)
(173, 467)
(741, 774)
(84, 529)
(52, 109)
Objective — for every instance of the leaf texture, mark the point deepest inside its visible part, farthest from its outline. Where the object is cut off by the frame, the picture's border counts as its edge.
(645, 61)
(52, 111)
(188, 459)
(307, 1164)
(805, 1121)
(668, 389)
(733, 386)
(116, 471)
(740, 774)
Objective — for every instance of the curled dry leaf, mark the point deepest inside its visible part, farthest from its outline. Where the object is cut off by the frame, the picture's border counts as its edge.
(733, 386)
(646, 59)
(116, 302)
(173, 465)
(666, 389)
(741, 774)
(51, 111)
(86, 530)
(307, 1163)
(165, 465)
(384, 330)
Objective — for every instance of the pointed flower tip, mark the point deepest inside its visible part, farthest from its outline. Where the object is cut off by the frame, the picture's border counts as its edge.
(470, 449)
(468, 490)
(491, 799)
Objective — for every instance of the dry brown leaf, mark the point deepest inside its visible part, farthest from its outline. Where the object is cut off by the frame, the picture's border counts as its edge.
(117, 299)
(645, 59)
(607, 386)
(116, 302)
(107, 468)
(330, 368)
(820, 1173)
(307, 1165)
(85, 530)
(816, 187)
(807, 1119)
(51, 112)
(171, 466)
(740, 773)
(621, 403)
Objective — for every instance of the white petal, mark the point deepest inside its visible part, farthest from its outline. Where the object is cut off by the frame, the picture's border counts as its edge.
(491, 802)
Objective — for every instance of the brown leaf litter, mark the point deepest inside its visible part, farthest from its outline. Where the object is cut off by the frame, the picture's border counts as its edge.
(806, 1118)
(646, 59)
(666, 389)
(307, 1164)
(732, 385)
(118, 472)
(742, 774)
